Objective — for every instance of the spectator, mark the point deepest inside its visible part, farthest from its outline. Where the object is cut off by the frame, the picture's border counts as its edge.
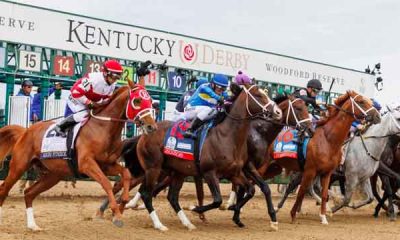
(36, 103)
(26, 89)
(156, 107)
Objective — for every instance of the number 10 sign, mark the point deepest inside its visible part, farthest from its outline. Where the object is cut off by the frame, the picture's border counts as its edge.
(29, 61)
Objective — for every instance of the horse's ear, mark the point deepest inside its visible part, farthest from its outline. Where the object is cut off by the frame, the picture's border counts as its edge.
(131, 84)
(235, 89)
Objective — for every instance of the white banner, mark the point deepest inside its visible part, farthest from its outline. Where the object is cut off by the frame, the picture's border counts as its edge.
(47, 28)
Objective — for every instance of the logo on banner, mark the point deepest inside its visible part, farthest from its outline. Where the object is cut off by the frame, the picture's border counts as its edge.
(188, 52)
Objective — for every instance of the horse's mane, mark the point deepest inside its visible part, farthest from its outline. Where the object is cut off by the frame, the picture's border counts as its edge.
(280, 98)
(116, 94)
(332, 110)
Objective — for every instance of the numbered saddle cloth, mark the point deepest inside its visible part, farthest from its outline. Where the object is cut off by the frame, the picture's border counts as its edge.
(55, 146)
(175, 144)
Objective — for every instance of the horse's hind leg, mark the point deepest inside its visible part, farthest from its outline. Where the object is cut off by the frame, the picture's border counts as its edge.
(18, 165)
(44, 183)
(146, 192)
(306, 181)
(368, 191)
(324, 196)
(213, 184)
(173, 198)
(294, 183)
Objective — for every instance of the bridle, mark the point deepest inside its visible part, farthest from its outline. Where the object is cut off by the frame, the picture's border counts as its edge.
(266, 109)
(138, 119)
(292, 111)
(355, 105)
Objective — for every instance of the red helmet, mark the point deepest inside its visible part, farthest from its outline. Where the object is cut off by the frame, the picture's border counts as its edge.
(112, 66)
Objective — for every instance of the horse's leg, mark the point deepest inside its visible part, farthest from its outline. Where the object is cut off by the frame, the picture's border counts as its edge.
(117, 187)
(389, 196)
(198, 181)
(92, 169)
(293, 184)
(44, 183)
(253, 173)
(146, 192)
(213, 184)
(367, 190)
(324, 196)
(175, 186)
(162, 185)
(378, 198)
(18, 165)
(306, 181)
(126, 177)
(351, 183)
(231, 201)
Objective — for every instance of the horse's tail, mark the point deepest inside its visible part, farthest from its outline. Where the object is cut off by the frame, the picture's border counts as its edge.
(9, 135)
(130, 157)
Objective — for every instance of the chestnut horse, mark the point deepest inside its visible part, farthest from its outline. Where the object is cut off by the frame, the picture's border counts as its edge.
(98, 148)
(224, 154)
(324, 148)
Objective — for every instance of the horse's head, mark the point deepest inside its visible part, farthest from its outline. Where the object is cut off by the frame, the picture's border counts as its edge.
(258, 102)
(295, 112)
(358, 106)
(139, 108)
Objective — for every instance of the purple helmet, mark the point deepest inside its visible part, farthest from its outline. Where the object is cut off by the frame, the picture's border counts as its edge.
(242, 79)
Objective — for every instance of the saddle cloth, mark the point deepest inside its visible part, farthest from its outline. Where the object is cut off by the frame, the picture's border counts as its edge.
(287, 145)
(55, 146)
(175, 144)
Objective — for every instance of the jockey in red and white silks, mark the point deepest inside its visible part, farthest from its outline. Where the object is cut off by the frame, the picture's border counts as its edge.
(93, 88)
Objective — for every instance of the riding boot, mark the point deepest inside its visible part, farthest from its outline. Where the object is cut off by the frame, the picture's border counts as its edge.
(61, 127)
(190, 132)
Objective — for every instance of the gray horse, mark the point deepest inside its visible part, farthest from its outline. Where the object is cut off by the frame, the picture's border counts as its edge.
(363, 154)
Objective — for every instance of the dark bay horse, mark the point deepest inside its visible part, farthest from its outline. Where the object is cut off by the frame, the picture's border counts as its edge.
(262, 134)
(324, 149)
(98, 147)
(224, 154)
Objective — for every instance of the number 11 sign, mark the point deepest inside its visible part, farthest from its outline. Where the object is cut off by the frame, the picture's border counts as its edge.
(63, 65)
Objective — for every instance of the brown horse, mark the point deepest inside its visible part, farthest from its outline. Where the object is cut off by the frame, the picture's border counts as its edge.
(98, 148)
(260, 136)
(324, 149)
(224, 154)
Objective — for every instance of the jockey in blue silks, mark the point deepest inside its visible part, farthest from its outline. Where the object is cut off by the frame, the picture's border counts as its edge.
(202, 104)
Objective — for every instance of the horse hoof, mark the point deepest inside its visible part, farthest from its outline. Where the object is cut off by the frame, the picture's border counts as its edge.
(191, 227)
(239, 224)
(162, 228)
(118, 223)
(274, 226)
(203, 218)
(324, 221)
(35, 228)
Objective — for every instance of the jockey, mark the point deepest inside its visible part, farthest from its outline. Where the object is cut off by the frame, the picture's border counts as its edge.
(93, 89)
(201, 106)
(242, 79)
(310, 93)
(180, 106)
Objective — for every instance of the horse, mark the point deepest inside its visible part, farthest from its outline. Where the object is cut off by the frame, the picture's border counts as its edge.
(390, 184)
(324, 148)
(362, 157)
(97, 147)
(216, 160)
(261, 135)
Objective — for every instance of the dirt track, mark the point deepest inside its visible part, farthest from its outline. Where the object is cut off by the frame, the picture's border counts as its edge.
(67, 214)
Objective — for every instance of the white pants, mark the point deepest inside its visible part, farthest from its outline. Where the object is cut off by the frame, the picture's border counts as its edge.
(178, 116)
(78, 109)
(204, 113)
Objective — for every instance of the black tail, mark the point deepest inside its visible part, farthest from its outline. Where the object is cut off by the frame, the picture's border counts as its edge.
(130, 157)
